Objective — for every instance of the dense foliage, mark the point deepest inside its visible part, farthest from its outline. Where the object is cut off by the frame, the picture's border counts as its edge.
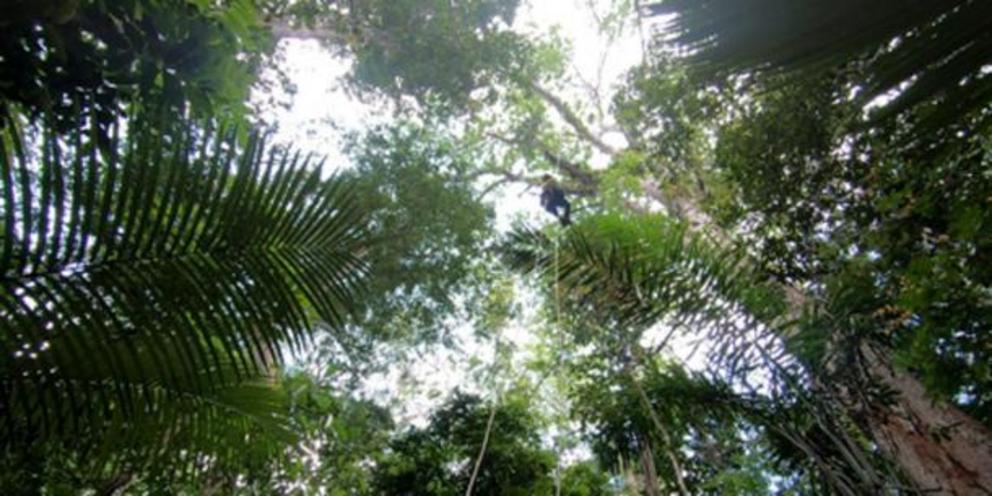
(439, 460)
(66, 59)
(777, 280)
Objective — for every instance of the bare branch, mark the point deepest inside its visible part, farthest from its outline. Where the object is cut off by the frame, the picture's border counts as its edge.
(585, 178)
(571, 118)
(283, 29)
(508, 176)
(573, 170)
(492, 187)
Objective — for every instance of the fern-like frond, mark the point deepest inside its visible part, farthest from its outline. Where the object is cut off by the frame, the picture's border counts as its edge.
(162, 266)
(636, 271)
(643, 269)
(919, 50)
(239, 429)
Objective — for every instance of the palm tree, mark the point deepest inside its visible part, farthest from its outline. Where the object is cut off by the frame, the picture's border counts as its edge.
(632, 272)
(151, 284)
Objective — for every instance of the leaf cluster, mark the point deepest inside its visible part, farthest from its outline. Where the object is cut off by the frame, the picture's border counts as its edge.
(439, 459)
(64, 58)
(150, 289)
(922, 55)
(428, 230)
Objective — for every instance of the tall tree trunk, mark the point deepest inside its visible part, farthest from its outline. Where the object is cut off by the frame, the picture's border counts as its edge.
(651, 485)
(939, 447)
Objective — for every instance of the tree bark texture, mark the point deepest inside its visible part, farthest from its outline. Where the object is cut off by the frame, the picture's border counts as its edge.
(940, 448)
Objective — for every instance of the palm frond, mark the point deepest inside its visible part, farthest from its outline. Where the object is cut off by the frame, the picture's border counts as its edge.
(911, 52)
(638, 271)
(644, 269)
(233, 430)
(163, 266)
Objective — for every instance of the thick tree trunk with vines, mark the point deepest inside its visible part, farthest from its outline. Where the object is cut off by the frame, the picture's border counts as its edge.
(938, 447)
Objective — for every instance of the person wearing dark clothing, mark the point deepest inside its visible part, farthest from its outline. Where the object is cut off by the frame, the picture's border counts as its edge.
(553, 199)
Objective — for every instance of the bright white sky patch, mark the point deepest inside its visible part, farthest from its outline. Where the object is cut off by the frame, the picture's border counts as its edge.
(321, 110)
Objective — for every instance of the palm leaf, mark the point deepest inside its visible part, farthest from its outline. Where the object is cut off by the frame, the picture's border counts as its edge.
(644, 269)
(167, 267)
(916, 52)
(636, 271)
(178, 437)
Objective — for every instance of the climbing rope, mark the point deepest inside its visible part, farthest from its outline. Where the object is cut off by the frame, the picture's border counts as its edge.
(492, 412)
(482, 449)
(489, 425)
(557, 288)
(557, 326)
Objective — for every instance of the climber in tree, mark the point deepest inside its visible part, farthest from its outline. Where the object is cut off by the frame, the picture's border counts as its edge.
(553, 198)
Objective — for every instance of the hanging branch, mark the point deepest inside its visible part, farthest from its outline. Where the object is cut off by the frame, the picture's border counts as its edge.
(586, 182)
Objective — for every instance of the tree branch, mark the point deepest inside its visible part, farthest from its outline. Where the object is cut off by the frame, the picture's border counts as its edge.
(585, 178)
(283, 29)
(573, 170)
(508, 176)
(571, 118)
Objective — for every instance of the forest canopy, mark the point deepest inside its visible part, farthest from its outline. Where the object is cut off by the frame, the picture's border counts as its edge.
(226, 272)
